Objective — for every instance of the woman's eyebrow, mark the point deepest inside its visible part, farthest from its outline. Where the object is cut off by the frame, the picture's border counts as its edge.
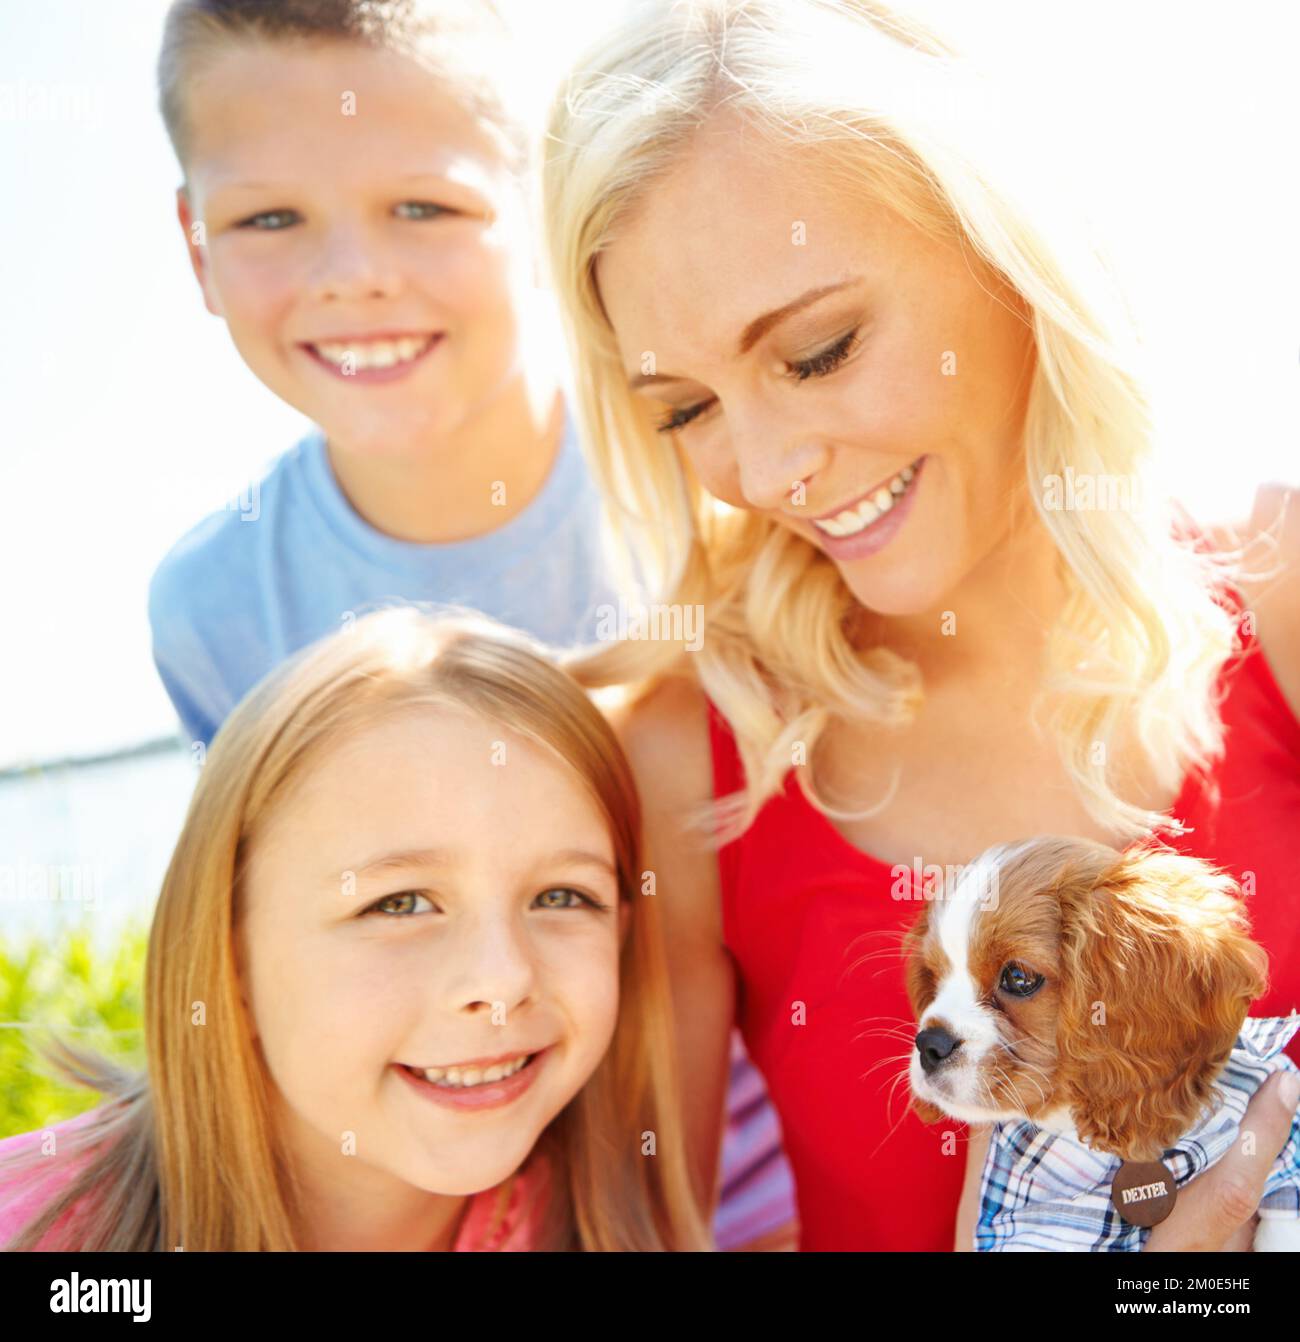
(756, 329)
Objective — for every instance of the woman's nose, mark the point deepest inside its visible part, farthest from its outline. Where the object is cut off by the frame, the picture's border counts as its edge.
(770, 468)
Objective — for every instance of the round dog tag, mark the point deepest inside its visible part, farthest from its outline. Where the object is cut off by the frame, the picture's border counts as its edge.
(1143, 1192)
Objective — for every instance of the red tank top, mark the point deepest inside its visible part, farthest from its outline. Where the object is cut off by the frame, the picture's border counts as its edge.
(809, 920)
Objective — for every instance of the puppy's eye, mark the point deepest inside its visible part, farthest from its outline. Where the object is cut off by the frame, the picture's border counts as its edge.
(1019, 981)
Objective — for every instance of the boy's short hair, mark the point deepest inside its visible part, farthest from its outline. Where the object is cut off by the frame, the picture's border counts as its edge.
(466, 43)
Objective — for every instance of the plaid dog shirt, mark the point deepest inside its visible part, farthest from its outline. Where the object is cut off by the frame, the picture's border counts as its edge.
(1042, 1191)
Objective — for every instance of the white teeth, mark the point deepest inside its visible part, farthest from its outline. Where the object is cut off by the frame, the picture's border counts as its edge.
(365, 354)
(474, 1076)
(853, 520)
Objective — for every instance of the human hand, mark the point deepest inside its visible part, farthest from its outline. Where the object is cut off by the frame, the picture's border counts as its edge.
(1218, 1210)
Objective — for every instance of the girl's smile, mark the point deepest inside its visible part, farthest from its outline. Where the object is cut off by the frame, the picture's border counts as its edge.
(477, 1086)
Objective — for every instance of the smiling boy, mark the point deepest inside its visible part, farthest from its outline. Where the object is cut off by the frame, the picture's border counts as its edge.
(356, 210)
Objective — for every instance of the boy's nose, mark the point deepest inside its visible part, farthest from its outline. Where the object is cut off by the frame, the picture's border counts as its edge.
(353, 267)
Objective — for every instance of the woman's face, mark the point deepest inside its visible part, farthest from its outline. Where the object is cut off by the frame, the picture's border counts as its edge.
(438, 893)
(809, 338)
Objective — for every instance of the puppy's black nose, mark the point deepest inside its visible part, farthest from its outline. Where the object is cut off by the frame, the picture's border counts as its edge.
(934, 1046)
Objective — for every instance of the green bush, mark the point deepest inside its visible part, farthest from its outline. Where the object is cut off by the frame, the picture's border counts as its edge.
(73, 989)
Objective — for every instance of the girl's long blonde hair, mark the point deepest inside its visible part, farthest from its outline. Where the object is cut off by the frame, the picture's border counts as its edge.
(886, 112)
(187, 1153)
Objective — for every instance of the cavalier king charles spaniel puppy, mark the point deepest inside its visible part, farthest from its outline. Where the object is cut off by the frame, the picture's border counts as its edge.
(1091, 993)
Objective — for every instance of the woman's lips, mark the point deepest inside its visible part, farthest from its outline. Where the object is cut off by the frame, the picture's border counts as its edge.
(873, 538)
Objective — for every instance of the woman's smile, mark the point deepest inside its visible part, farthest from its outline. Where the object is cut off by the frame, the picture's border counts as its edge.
(867, 526)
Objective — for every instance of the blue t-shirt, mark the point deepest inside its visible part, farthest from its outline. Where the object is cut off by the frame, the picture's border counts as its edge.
(253, 583)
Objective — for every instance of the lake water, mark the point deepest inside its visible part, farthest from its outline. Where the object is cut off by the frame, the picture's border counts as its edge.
(87, 844)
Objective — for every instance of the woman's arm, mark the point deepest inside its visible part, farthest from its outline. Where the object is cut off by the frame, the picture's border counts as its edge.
(977, 1149)
(666, 738)
(1274, 601)
(1217, 1210)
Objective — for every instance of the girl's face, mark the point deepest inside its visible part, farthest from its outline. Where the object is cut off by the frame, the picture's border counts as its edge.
(438, 894)
(797, 335)
(351, 207)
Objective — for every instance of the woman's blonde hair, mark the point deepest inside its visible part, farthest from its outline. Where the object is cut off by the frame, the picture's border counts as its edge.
(888, 113)
(187, 1154)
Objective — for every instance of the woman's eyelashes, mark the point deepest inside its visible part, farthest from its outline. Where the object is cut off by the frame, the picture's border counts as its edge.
(559, 897)
(819, 365)
(275, 221)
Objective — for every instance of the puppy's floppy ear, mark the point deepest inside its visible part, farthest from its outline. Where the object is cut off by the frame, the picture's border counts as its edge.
(918, 977)
(920, 984)
(1158, 972)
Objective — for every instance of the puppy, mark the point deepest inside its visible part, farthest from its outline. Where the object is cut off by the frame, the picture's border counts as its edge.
(1091, 1004)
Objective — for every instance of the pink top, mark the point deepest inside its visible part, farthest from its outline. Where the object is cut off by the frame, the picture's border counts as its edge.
(22, 1197)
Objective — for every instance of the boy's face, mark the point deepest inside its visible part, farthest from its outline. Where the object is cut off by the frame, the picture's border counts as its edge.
(365, 241)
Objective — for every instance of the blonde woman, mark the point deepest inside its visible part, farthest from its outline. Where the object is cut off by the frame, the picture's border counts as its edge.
(402, 990)
(845, 366)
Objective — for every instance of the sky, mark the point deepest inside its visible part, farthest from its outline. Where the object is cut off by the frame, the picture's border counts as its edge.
(128, 415)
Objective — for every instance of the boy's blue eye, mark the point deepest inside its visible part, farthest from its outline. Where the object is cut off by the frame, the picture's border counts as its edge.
(270, 221)
(401, 905)
(422, 209)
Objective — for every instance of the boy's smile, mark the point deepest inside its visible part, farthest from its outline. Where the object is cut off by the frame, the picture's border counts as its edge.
(367, 252)
(377, 358)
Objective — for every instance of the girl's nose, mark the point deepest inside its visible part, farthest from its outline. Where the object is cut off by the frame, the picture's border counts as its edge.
(494, 970)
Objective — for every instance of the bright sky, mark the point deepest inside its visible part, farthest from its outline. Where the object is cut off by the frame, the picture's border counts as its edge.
(128, 414)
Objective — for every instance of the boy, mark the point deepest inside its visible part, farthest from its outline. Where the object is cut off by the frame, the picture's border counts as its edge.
(355, 210)
(364, 234)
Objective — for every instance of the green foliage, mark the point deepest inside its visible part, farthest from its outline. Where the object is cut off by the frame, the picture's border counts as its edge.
(84, 994)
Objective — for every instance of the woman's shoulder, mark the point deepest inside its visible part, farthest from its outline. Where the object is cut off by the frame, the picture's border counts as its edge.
(1270, 587)
(665, 733)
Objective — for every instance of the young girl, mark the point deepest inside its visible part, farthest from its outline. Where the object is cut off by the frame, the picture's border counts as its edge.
(382, 1002)
(839, 341)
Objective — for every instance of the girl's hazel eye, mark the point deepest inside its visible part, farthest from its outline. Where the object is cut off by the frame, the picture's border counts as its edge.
(559, 898)
(400, 905)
